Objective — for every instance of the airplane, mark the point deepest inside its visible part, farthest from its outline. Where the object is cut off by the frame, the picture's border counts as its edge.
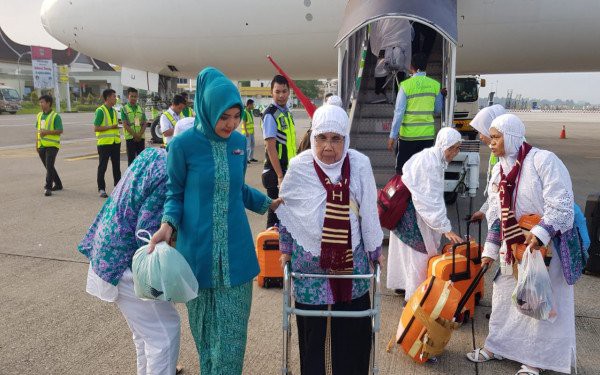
(180, 38)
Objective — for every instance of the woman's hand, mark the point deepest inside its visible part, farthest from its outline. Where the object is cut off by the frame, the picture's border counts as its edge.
(275, 203)
(532, 240)
(453, 237)
(477, 216)
(486, 260)
(284, 258)
(164, 233)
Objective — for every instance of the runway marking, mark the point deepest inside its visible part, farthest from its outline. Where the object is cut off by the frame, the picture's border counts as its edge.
(27, 145)
(45, 258)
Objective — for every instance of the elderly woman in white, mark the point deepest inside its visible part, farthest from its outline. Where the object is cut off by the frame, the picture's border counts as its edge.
(528, 180)
(482, 122)
(329, 223)
(418, 234)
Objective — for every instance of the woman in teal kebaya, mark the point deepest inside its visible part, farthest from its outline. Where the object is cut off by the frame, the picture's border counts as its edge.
(206, 202)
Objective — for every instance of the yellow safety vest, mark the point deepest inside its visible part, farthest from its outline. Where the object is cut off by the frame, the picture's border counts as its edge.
(286, 134)
(47, 140)
(186, 112)
(172, 121)
(249, 122)
(111, 136)
(418, 123)
(134, 117)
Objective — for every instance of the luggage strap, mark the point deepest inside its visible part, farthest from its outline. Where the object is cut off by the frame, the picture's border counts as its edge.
(439, 332)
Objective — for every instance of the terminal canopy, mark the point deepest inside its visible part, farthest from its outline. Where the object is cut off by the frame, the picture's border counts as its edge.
(437, 14)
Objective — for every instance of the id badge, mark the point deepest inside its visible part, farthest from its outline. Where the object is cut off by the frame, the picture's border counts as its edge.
(137, 121)
(43, 125)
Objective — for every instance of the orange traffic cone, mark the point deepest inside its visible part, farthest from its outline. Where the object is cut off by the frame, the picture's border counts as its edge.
(563, 133)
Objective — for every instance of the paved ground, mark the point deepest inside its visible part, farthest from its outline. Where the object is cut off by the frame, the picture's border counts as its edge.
(49, 325)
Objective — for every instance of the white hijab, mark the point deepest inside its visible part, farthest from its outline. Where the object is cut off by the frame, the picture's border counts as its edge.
(335, 100)
(303, 211)
(513, 130)
(423, 175)
(483, 119)
(330, 119)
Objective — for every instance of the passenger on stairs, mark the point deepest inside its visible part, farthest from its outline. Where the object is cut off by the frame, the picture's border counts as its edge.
(391, 42)
(419, 99)
(418, 234)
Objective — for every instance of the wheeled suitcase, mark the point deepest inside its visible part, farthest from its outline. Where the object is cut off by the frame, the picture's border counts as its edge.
(430, 317)
(268, 254)
(475, 251)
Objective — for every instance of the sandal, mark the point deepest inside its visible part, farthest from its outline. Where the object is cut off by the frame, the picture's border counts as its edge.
(479, 356)
(526, 370)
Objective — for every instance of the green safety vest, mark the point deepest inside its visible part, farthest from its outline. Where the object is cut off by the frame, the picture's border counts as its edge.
(187, 112)
(286, 134)
(47, 140)
(418, 123)
(173, 122)
(134, 117)
(111, 136)
(249, 121)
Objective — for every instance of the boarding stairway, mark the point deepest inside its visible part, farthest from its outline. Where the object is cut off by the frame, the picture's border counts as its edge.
(370, 124)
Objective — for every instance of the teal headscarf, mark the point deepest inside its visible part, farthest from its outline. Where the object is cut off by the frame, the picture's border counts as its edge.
(215, 93)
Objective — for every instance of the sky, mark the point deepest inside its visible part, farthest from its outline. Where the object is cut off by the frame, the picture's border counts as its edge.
(26, 28)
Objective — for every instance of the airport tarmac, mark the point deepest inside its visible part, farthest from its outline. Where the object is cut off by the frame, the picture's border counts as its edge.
(49, 325)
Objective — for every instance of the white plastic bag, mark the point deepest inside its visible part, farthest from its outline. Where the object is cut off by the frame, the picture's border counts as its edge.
(162, 275)
(533, 294)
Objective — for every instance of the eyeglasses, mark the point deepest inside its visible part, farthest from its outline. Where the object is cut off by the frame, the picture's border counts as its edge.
(333, 141)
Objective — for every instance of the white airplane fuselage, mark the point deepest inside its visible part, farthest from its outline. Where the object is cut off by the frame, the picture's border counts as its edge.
(508, 36)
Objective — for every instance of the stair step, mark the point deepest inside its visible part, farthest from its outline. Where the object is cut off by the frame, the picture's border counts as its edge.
(375, 126)
(368, 141)
(383, 175)
(368, 110)
(381, 158)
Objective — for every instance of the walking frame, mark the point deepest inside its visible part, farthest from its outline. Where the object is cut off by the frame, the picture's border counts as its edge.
(374, 312)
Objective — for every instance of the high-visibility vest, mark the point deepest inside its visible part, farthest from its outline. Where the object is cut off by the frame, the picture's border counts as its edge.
(172, 121)
(111, 136)
(134, 117)
(187, 112)
(418, 123)
(285, 139)
(249, 123)
(47, 140)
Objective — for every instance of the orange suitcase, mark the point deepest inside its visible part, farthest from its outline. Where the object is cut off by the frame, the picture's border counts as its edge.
(426, 323)
(430, 317)
(267, 252)
(475, 251)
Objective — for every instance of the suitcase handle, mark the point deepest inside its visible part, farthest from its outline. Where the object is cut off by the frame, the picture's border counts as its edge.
(478, 259)
(470, 290)
(454, 276)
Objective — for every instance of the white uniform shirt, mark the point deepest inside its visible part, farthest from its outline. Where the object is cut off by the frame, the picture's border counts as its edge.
(165, 124)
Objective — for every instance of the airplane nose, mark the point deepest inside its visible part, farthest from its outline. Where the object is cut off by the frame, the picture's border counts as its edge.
(55, 15)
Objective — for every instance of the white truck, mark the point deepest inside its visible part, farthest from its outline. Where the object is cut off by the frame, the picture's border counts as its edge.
(467, 103)
(10, 100)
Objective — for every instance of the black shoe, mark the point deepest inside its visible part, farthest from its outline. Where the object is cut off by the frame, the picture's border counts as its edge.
(56, 188)
(103, 194)
(47, 192)
(400, 292)
(248, 162)
(253, 160)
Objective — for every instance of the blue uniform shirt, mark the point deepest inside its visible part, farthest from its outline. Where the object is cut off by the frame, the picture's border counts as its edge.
(270, 125)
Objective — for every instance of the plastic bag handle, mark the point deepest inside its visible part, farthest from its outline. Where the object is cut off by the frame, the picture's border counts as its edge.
(139, 233)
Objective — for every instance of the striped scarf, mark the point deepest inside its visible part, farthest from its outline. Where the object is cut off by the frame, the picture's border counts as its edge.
(336, 239)
(511, 232)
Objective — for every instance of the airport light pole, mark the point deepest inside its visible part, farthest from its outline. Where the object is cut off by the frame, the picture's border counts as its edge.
(19, 71)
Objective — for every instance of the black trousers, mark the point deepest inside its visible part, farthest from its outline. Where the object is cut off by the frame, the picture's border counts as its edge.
(424, 39)
(350, 340)
(269, 180)
(112, 152)
(48, 156)
(134, 148)
(406, 149)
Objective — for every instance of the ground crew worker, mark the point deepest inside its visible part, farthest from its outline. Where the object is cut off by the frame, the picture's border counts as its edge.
(279, 133)
(106, 126)
(247, 129)
(419, 99)
(187, 111)
(49, 128)
(134, 124)
(169, 118)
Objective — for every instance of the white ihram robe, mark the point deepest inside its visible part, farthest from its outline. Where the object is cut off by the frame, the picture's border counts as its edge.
(423, 175)
(544, 189)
